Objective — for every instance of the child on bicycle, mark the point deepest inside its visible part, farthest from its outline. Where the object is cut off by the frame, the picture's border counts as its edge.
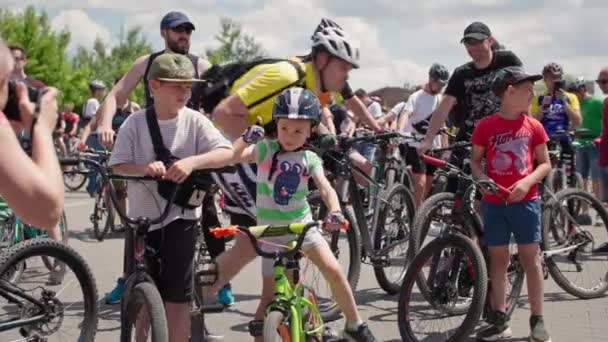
(193, 139)
(284, 169)
(510, 141)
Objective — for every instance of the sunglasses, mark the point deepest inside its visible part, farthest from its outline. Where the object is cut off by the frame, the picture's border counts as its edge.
(182, 29)
(19, 59)
(602, 82)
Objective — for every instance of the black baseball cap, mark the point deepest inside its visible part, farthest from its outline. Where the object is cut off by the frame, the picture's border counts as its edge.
(174, 19)
(511, 76)
(477, 31)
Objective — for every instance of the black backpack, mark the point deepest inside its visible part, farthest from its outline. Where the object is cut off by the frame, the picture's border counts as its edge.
(192, 191)
(218, 80)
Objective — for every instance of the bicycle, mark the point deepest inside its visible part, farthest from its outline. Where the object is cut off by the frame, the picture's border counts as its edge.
(293, 315)
(44, 312)
(563, 173)
(392, 210)
(463, 223)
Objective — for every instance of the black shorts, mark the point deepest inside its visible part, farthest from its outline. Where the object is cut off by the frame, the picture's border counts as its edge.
(413, 159)
(170, 260)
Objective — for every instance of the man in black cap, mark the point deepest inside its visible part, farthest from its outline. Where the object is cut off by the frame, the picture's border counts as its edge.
(510, 141)
(469, 86)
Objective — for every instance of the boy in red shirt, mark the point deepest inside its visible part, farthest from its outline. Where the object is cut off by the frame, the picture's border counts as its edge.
(510, 140)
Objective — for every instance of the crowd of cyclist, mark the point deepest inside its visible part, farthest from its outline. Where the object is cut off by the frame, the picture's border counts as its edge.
(297, 95)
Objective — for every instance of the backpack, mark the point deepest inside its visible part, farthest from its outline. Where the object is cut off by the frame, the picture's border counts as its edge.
(192, 191)
(218, 80)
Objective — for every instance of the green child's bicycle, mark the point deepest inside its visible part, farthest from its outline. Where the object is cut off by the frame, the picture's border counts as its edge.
(293, 314)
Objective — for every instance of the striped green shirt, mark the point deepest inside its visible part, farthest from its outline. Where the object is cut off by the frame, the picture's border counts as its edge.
(282, 199)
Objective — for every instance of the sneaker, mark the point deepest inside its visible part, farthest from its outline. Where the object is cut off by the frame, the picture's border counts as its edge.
(363, 334)
(538, 333)
(113, 297)
(225, 296)
(497, 330)
(602, 249)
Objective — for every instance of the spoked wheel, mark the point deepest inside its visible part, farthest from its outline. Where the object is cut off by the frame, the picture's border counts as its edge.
(577, 257)
(442, 314)
(51, 264)
(70, 305)
(392, 236)
(74, 179)
(276, 329)
(103, 214)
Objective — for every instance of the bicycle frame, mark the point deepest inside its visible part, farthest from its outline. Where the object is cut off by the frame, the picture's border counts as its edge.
(13, 294)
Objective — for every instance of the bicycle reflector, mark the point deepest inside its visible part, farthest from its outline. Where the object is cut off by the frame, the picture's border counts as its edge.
(224, 231)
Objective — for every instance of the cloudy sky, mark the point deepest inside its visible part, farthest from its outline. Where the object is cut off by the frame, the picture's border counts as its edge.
(399, 39)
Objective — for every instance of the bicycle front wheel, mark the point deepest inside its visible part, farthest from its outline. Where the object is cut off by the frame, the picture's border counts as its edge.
(144, 318)
(575, 240)
(442, 314)
(276, 329)
(392, 235)
(54, 265)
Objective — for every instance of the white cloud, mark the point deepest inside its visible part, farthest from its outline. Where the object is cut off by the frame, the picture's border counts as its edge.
(82, 28)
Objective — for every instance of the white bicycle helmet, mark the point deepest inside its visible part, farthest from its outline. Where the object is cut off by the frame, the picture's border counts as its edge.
(97, 84)
(577, 83)
(336, 41)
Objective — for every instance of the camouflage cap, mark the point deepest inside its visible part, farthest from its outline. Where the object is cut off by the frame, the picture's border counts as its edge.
(172, 67)
(511, 76)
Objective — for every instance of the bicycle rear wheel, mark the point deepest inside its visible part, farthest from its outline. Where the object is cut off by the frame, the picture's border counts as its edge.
(103, 212)
(392, 234)
(70, 306)
(53, 265)
(424, 317)
(74, 179)
(577, 258)
(144, 315)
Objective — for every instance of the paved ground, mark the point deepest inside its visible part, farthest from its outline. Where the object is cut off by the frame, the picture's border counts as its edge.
(568, 319)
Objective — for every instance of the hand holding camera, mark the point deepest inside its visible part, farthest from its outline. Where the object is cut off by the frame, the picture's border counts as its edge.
(26, 102)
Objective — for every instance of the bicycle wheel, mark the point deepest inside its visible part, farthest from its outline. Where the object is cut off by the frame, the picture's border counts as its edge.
(421, 317)
(70, 305)
(578, 262)
(74, 179)
(433, 215)
(515, 283)
(53, 265)
(103, 211)
(556, 180)
(276, 329)
(390, 178)
(392, 235)
(345, 246)
(144, 307)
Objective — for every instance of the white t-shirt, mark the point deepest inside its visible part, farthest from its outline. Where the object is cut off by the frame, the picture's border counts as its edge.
(90, 108)
(375, 110)
(421, 105)
(188, 134)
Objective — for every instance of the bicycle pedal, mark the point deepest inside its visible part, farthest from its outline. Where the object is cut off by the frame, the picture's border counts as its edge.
(206, 277)
(256, 328)
(381, 261)
(212, 308)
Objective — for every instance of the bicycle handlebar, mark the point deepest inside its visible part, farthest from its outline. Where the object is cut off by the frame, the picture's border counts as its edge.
(493, 187)
(256, 232)
(455, 146)
(370, 138)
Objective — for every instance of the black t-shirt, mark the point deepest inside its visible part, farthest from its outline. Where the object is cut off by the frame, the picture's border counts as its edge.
(471, 88)
(340, 114)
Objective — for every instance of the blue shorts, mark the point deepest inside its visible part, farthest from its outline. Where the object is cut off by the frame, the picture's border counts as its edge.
(500, 221)
(587, 162)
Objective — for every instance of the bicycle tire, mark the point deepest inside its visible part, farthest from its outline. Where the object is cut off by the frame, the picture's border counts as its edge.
(275, 329)
(330, 311)
(550, 212)
(63, 226)
(388, 285)
(390, 177)
(100, 234)
(424, 217)
(68, 256)
(147, 294)
(517, 285)
(76, 185)
(471, 319)
(556, 180)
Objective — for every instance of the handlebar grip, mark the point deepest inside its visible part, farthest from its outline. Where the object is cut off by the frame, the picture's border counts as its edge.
(220, 232)
(345, 225)
(434, 161)
(503, 191)
(69, 161)
(597, 141)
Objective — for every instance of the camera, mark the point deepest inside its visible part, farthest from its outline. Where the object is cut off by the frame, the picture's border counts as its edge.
(11, 110)
(559, 85)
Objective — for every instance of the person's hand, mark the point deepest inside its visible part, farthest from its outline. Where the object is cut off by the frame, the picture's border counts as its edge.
(561, 94)
(547, 100)
(425, 146)
(253, 134)
(47, 112)
(156, 169)
(335, 221)
(519, 190)
(105, 134)
(179, 171)
(445, 155)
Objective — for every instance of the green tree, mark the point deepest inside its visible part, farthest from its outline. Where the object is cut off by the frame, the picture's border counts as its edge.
(234, 44)
(47, 60)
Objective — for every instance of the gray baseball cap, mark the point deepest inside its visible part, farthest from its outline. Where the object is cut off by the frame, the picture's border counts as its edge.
(511, 76)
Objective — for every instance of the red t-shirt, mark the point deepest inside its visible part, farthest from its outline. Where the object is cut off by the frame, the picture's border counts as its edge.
(604, 143)
(509, 149)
